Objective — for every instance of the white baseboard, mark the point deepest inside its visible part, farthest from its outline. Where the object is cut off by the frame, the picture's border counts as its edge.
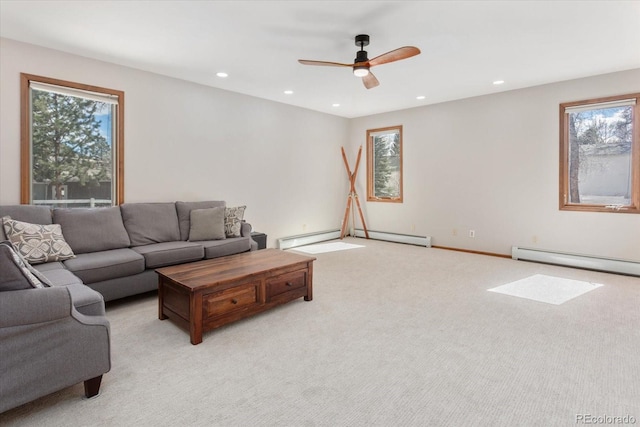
(322, 236)
(394, 237)
(578, 261)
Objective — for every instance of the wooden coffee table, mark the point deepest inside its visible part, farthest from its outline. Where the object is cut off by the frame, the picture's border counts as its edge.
(204, 295)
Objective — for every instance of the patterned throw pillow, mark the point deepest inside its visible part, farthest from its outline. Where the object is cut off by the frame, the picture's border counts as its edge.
(33, 276)
(233, 220)
(37, 243)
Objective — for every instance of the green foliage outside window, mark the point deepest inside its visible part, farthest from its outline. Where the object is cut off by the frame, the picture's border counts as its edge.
(67, 142)
(384, 164)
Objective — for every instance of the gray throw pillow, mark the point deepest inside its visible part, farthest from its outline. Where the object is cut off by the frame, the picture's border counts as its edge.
(37, 243)
(233, 221)
(207, 224)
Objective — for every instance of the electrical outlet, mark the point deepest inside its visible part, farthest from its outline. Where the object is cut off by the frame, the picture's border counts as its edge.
(472, 233)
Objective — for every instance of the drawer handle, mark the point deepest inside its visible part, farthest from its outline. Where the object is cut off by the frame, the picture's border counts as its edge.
(289, 284)
(234, 301)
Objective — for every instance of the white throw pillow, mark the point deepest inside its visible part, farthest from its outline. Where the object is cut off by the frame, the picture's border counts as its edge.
(37, 243)
(233, 221)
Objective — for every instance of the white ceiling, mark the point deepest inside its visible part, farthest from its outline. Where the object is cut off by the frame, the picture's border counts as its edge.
(466, 45)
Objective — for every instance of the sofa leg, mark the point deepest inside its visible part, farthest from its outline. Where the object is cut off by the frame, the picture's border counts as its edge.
(92, 386)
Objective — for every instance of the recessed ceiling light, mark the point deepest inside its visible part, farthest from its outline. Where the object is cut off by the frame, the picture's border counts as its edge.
(221, 74)
(335, 105)
(498, 82)
(288, 92)
(420, 97)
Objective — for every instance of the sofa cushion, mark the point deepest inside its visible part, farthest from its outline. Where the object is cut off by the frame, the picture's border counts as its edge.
(84, 299)
(184, 213)
(148, 223)
(61, 277)
(233, 221)
(27, 213)
(92, 229)
(57, 265)
(97, 266)
(229, 246)
(169, 253)
(207, 224)
(35, 242)
(16, 273)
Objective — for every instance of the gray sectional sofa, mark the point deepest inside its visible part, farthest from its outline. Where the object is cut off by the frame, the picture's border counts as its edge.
(117, 249)
(56, 335)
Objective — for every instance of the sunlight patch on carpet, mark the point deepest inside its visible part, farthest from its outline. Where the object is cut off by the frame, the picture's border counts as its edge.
(327, 247)
(549, 289)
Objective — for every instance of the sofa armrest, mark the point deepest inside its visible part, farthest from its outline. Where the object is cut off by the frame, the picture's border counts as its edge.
(30, 306)
(47, 345)
(245, 229)
(91, 320)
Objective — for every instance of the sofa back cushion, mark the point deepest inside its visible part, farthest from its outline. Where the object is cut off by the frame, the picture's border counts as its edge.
(92, 229)
(26, 213)
(148, 223)
(16, 273)
(184, 213)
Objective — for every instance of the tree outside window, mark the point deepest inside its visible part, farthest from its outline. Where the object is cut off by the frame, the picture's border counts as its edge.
(71, 144)
(384, 164)
(600, 155)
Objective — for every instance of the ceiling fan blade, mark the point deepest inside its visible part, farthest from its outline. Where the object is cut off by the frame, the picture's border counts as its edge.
(370, 80)
(395, 55)
(324, 63)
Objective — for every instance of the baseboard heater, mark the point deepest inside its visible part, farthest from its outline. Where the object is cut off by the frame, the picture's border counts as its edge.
(610, 265)
(307, 239)
(398, 238)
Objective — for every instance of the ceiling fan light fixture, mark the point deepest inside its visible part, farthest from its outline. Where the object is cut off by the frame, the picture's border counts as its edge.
(362, 64)
(360, 71)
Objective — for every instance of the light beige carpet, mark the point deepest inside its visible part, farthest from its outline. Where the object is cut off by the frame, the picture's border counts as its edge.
(396, 335)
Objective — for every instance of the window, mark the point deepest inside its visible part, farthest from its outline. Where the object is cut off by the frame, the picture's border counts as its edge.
(600, 155)
(72, 143)
(384, 164)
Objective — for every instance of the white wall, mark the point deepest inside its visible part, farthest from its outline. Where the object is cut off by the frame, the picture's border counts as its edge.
(490, 164)
(185, 141)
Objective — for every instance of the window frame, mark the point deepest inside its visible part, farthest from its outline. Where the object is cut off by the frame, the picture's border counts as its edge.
(371, 197)
(25, 133)
(634, 207)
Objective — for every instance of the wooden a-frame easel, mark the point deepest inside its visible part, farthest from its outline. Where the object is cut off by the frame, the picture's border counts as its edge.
(352, 196)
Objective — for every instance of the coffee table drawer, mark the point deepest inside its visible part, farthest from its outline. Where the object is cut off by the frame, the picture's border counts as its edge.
(286, 283)
(231, 299)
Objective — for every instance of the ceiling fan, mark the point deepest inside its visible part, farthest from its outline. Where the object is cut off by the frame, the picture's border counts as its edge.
(362, 63)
